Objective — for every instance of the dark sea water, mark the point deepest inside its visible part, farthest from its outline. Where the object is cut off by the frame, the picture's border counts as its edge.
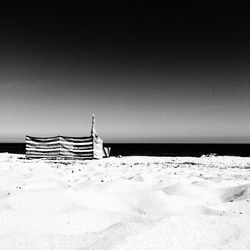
(170, 149)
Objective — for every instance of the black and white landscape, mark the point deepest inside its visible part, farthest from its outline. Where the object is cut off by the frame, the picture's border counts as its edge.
(151, 74)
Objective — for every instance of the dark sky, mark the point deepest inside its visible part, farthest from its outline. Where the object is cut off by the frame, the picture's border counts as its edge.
(150, 73)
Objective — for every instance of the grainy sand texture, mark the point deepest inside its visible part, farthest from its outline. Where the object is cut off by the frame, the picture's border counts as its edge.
(125, 203)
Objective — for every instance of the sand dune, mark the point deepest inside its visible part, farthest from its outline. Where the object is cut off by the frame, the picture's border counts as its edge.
(125, 203)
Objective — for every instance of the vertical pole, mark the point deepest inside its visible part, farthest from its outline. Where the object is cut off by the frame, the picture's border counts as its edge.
(93, 132)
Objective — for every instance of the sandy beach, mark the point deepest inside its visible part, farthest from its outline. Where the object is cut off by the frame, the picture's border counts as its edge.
(125, 203)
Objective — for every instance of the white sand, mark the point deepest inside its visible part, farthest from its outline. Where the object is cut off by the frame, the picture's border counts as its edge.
(125, 203)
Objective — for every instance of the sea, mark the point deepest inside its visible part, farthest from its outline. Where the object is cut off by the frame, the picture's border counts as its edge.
(157, 149)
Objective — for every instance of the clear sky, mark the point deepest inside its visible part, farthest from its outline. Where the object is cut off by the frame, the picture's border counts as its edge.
(161, 75)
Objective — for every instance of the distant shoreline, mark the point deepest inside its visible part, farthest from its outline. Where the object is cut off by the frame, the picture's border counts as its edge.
(158, 149)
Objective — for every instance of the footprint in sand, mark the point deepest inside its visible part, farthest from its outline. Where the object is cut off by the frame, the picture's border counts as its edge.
(236, 193)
